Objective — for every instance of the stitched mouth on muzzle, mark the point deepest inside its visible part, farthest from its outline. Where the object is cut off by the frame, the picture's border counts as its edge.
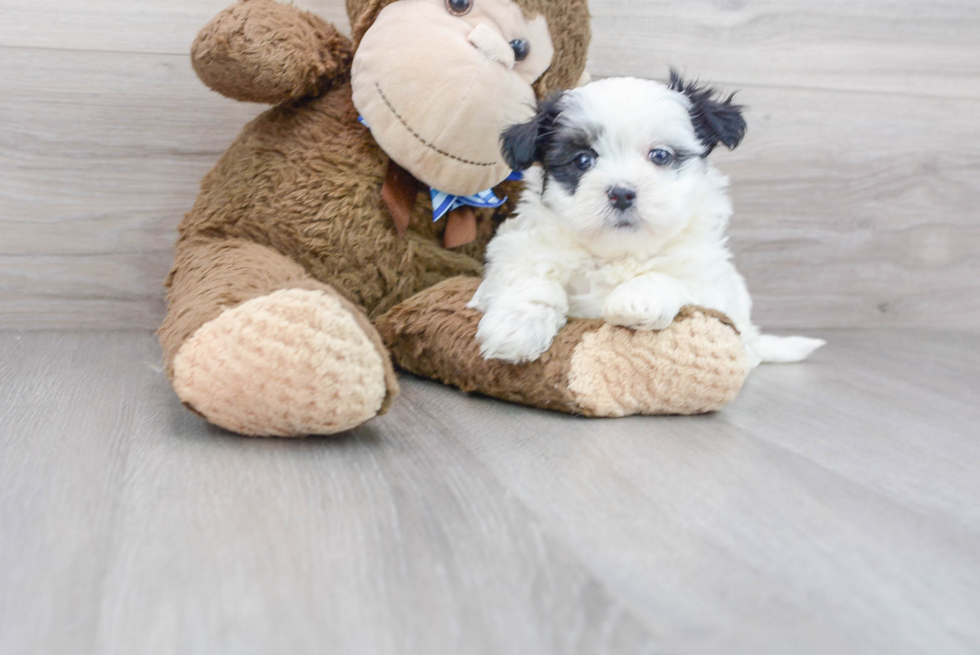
(421, 140)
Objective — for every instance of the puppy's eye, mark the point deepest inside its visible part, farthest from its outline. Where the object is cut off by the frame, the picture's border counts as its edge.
(584, 161)
(459, 7)
(521, 49)
(661, 157)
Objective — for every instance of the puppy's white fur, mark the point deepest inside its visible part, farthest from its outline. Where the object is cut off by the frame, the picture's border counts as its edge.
(568, 252)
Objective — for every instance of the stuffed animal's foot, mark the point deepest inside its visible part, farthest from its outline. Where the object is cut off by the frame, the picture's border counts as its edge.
(696, 364)
(292, 363)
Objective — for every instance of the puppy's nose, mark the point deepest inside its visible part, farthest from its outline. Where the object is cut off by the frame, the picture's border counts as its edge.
(622, 197)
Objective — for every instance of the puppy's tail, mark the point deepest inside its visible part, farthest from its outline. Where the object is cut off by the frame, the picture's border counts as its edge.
(767, 348)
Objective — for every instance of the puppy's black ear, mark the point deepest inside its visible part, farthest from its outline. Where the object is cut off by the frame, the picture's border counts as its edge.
(715, 120)
(524, 144)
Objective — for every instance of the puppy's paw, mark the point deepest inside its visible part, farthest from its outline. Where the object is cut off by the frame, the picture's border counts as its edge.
(641, 307)
(520, 333)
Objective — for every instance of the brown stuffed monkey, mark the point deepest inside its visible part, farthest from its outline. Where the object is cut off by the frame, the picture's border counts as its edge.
(312, 255)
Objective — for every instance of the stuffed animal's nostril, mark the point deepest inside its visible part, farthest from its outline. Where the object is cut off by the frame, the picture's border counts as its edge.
(622, 197)
(492, 44)
(521, 49)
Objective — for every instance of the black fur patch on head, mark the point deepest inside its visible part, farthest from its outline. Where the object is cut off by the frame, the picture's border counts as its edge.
(525, 144)
(560, 158)
(552, 142)
(715, 121)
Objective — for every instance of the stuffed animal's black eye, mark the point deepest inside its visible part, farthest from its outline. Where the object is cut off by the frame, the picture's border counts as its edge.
(459, 7)
(661, 157)
(521, 49)
(584, 161)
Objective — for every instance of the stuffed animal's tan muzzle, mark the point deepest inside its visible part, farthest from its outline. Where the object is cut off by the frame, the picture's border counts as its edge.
(438, 89)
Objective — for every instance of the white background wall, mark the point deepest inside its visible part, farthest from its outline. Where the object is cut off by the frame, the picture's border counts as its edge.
(857, 190)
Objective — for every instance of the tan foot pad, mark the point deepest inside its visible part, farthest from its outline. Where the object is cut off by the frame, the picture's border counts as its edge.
(696, 365)
(289, 364)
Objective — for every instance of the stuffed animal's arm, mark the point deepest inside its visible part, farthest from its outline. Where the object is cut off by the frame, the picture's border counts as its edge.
(264, 51)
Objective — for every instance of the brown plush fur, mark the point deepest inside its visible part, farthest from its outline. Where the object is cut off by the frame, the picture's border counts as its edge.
(279, 186)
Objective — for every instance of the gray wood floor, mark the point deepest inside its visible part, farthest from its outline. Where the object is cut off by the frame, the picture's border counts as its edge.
(834, 508)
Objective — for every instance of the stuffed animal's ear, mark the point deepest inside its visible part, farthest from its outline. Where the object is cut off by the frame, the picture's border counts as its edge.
(715, 120)
(523, 145)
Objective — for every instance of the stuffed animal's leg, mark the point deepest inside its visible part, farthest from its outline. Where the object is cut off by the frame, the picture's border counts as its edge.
(695, 365)
(256, 346)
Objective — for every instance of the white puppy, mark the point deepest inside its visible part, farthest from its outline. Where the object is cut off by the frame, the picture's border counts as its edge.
(624, 220)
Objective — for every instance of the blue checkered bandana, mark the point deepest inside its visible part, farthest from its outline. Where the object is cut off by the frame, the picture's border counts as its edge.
(443, 203)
